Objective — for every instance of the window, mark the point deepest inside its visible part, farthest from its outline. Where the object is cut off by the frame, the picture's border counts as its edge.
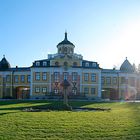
(93, 64)
(86, 77)
(87, 64)
(56, 63)
(56, 77)
(28, 78)
(65, 63)
(8, 78)
(37, 90)
(44, 90)
(37, 63)
(108, 80)
(93, 91)
(37, 76)
(123, 80)
(114, 80)
(103, 80)
(74, 76)
(16, 78)
(44, 63)
(22, 78)
(65, 76)
(86, 90)
(44, 76)
(93, 77)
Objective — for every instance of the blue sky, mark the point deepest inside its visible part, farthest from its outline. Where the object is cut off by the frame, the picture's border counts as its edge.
(105, 31)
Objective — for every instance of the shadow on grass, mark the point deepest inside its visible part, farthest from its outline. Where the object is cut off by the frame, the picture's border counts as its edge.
(44, 104)
(12, 102)
(5, 113)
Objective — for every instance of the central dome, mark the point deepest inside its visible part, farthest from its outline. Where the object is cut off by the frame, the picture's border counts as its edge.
(65, 41)
(65, 47)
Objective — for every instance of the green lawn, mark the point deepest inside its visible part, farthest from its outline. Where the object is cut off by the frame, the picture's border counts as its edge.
(122, 122)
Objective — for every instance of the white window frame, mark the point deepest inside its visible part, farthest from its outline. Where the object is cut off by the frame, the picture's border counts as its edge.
(94, 65)
(44, 63)
(86, 90)
(37, 63)
(65, 75)
(22, 78)
(37, 89)
(87, 64)
(93, 77)
(86, 76)
(56, 76)
(74, 76)
(44, 90)
(37, 76)
(16, 78)
(28, 78)
(44, 76)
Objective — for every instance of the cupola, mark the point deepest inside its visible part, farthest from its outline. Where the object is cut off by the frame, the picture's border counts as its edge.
(4, 64)
(126, 66)
(65, 46)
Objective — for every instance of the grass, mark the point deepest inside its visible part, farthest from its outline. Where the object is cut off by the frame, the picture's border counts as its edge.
(121, 123)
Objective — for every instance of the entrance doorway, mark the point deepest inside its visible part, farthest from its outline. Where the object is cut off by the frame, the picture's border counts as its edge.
(110, 93)
(22, 92)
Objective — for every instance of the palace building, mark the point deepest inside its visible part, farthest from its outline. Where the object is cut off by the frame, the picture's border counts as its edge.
(87, 80)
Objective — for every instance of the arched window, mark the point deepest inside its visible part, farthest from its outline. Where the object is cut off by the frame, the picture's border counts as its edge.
(56, 63)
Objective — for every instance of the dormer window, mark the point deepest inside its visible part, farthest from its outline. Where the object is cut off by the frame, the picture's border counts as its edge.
(44, 63)
(87, 64)
(37, 63)
(93, 64)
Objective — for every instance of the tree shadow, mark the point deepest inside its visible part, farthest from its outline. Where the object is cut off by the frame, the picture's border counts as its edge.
(5, 113)
(46, 105)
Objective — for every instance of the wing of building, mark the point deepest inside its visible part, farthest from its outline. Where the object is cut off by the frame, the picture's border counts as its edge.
(86, 79)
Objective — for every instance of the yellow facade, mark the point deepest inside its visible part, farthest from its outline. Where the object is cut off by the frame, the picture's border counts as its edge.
(89, 81)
